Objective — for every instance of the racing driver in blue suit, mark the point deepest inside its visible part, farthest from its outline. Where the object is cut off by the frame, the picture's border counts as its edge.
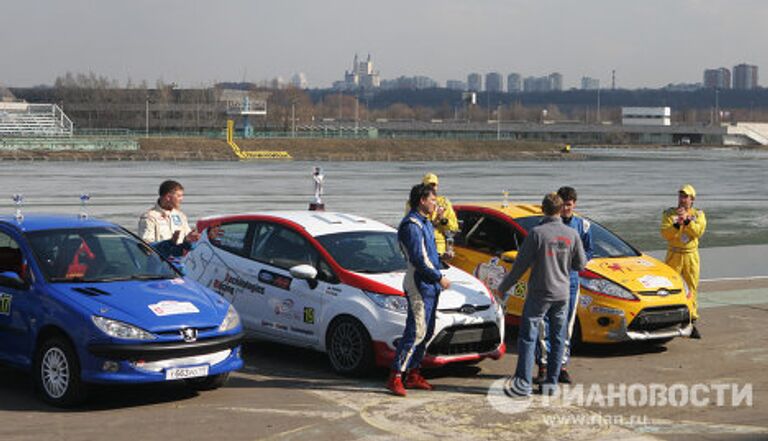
(422, 285)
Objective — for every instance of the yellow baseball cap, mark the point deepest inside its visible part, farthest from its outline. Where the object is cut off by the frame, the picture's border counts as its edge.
(689, 190)
(429, 179)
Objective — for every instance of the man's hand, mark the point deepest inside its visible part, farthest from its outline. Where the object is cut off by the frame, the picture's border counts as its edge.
(682, 215)
(192, 237)
(445, 283)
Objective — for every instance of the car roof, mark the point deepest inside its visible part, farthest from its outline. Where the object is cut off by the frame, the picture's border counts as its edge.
(512, 209)
(316, 223)
(42, 222)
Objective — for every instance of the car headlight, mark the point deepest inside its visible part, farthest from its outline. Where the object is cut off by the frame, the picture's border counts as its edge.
(117, 329)
(389, 302)
(606, 287)
(231, 321)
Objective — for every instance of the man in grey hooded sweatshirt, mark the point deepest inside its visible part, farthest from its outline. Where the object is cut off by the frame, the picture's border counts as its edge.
(553, 250)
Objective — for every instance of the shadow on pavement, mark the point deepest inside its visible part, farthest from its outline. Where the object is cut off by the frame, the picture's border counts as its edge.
(17, 391)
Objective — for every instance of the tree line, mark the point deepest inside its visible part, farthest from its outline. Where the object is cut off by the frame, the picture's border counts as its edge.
(98, 102)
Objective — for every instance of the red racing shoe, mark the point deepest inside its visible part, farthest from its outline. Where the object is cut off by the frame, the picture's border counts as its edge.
(416, 381)
(395, 384)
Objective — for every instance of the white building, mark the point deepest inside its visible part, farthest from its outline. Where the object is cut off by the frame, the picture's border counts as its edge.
(588, 83)
(475, 82)
(514, 83)
(555, 82)
(362, 76)
(646, 116)
(299, 80)
(494, 82)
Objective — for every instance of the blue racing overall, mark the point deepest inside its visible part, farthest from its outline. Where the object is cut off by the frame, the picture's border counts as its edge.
(421, 286)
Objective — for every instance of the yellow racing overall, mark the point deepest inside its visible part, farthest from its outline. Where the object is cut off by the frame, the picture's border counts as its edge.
(683, 248)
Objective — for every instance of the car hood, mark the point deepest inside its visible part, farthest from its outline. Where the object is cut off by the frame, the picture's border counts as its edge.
(155, 306)
(464, 290)
(639, 274)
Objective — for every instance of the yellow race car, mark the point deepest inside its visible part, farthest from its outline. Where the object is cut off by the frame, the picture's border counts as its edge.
(624, 295)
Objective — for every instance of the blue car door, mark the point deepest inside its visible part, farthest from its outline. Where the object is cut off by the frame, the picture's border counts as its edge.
(16, 304)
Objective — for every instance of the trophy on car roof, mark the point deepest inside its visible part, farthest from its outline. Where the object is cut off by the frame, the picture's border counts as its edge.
(318, 176)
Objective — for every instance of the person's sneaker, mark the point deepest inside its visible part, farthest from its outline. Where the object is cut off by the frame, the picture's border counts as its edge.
(395, 384)
(695, 333)
(564, 377)
(542, 375)
(416, 381)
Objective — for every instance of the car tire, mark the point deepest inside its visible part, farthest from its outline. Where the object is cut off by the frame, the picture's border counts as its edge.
(349, 346)
(210, 382)
(576, 340)
(57, 373)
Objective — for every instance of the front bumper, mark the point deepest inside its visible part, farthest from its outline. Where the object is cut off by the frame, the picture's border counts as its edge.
(457, 338)
(385, 354)
(130, 372)
(147, 363)
(653, 323)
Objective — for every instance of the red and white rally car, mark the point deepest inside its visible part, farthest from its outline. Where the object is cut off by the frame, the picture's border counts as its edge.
(333, 282)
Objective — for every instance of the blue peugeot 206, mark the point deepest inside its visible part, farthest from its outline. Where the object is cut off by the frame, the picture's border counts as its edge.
(84, 302)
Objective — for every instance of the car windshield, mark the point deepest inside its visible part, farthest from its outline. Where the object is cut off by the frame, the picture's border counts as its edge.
(365, 251)
(96, 255)
(604, 242)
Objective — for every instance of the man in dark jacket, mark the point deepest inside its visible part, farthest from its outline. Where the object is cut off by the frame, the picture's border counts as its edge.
(422, 285)
(553, 250)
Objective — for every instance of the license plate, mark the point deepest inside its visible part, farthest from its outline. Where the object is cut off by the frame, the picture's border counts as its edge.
(186, 372)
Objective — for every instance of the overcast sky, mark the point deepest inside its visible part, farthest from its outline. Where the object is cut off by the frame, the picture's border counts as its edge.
(191, 42)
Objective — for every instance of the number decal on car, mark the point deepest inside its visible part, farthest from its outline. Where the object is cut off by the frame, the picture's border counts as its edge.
(5, 304)
(309, 316)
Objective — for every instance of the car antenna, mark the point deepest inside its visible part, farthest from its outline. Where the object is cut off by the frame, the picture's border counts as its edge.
(84, 198)
(18, 199)
(505, 202)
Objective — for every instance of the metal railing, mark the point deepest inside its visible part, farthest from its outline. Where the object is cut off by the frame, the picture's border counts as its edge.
(34, 120)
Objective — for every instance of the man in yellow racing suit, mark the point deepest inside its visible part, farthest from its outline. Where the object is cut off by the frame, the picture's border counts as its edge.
(682, 226)
(443, 218)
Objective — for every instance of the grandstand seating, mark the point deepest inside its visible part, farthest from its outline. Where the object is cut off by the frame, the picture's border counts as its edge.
(33, 120)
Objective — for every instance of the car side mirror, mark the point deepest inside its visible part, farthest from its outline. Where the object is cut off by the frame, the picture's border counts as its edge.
(305, 272)
(12, 279)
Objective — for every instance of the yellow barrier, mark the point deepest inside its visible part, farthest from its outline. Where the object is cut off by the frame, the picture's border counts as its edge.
(251, 154)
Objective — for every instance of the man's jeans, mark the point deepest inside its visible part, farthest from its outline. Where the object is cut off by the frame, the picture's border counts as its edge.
(542, 349)
(534, 312)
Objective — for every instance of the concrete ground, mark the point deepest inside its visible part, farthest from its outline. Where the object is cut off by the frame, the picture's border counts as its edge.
(286, 394)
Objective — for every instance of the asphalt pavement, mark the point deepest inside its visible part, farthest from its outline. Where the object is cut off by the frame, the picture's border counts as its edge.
(291, 394)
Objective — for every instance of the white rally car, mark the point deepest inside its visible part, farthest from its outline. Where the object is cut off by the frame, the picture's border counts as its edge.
(333, 282)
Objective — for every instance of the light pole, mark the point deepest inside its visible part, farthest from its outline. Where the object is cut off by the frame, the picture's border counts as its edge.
(146, 120)
(293, 119)
(717, 105)
(498, 123)
(339, 114)
(357, 114)
(597, 116)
